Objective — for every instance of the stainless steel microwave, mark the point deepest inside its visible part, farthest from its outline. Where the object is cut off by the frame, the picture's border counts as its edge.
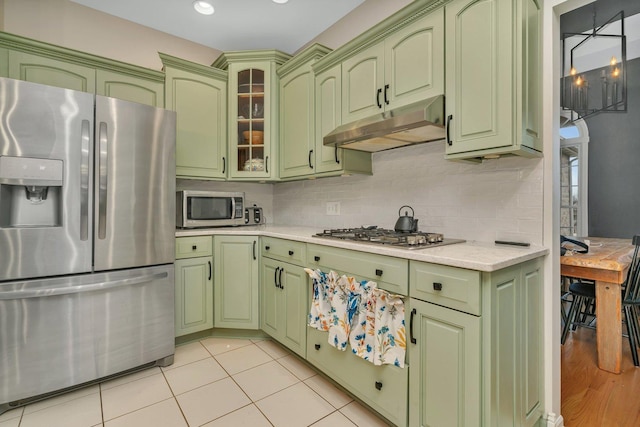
(209, 208)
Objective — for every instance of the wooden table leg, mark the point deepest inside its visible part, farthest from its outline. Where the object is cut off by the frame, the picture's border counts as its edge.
(609, 326)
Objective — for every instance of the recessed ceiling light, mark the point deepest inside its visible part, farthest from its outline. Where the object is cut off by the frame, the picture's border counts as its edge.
(280, 1)
(203, 7)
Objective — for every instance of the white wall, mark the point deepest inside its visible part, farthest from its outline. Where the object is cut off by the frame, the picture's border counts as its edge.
(360, 19)
(68, 24)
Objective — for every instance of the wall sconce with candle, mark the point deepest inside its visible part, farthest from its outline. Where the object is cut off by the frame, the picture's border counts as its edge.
(596, 57)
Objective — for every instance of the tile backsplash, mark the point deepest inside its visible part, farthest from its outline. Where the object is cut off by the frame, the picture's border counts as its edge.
(497, 200)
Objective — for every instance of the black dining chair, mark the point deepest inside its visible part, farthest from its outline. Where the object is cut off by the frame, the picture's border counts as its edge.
(584, 295)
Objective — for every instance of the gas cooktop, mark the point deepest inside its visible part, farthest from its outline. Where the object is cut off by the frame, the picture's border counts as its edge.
(382, 236)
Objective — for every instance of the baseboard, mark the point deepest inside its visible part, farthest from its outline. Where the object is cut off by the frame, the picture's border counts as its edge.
(554, 420)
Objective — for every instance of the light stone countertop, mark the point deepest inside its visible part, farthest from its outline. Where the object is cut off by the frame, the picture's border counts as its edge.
(473, 255)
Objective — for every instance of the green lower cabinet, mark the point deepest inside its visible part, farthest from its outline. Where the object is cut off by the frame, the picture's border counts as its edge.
(477, 355)
(194, 295)
(515, 355)
(445, 380)
(284, 304)
(383, 388)
(236, 282)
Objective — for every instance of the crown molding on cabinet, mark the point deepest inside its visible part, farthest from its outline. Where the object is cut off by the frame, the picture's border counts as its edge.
(182, 64)
(43, 49)
(276, 56)
(315, 51)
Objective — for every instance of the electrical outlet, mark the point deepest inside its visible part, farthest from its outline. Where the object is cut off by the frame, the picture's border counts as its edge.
(333, 208)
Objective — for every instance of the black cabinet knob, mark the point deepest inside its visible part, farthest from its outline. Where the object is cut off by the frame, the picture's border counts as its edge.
(290, 252)
(378, 272)
(437, 286)
(316, 258)
(317, 346)
(194, 247)
(378, 385)
(266, 248)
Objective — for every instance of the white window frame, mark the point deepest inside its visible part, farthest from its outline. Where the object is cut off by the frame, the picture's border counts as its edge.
(581, 143)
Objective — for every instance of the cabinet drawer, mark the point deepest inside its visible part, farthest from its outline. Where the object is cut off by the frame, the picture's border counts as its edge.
(194, 246)
(389, 273)
(284, 250)
(383, 388)
(451, 287)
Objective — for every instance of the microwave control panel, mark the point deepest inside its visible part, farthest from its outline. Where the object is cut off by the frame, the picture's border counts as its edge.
(239, 211)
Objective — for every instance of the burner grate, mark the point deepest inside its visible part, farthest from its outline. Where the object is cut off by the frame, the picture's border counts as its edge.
(381, 236)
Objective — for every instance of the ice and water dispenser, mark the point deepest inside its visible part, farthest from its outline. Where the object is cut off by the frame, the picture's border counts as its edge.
(30, 192)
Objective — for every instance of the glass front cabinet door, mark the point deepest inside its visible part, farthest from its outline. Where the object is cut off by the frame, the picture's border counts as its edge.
(252, 103)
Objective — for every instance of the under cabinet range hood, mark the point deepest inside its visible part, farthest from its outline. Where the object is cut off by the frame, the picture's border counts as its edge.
(415, 123)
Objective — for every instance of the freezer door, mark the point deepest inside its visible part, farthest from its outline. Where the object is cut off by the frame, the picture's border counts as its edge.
(65, 331)
(134, 185)
(45, 185)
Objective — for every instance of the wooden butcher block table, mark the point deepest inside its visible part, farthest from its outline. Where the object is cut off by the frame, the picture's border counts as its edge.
(607, 263)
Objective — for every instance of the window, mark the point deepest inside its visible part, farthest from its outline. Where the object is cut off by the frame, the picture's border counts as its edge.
(574, 138)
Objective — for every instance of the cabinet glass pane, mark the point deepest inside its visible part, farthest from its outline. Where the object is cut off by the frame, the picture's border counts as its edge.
(251, 102)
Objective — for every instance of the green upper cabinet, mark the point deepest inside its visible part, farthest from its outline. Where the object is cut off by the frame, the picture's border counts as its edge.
(297, 141)
(493, 78)
(328, 116)
(47, 71)
(130, 88)
(405, 67)
(198, 94)
(253, 118)
(38, 62)
(235, 287)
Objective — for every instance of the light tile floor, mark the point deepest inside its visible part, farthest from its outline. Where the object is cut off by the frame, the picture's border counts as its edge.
(215, 382)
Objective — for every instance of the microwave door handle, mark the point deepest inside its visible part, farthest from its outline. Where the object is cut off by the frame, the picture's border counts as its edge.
(102, 171)
(84, 180)
(233, 207)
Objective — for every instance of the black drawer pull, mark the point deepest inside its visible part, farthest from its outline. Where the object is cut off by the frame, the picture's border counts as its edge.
(378, 272)
(378, 385)
(290, 252)
(437, 286)
(266, 248)
(275, 277)
(316, 258)
(210, 270)
(194, 248)
(411, 338)
(317, 346)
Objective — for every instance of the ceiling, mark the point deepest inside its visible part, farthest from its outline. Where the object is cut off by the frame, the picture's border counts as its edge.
(236, 24)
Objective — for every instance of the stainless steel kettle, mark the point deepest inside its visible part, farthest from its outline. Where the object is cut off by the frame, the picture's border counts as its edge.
(406, 223)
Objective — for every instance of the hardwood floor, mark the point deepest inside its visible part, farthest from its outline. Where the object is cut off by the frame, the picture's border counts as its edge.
(592, 397)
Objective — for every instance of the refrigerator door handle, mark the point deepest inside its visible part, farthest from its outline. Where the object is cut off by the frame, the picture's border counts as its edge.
(102, 172)
(38, 293)
(84, 180)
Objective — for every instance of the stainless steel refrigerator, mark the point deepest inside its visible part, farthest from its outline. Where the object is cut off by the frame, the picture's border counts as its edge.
(87, 222)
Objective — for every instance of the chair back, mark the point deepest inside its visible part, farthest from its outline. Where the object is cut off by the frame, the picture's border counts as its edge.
(632, 282)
